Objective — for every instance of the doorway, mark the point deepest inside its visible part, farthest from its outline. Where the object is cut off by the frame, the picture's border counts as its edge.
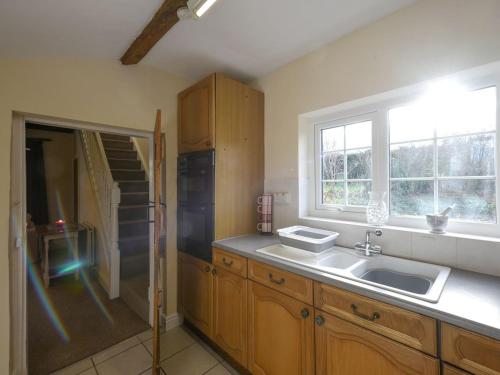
(69, 309)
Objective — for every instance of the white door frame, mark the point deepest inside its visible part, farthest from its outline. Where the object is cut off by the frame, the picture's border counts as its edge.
(18, 237)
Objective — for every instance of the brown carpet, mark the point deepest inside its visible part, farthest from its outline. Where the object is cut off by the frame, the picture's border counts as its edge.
(88, 328)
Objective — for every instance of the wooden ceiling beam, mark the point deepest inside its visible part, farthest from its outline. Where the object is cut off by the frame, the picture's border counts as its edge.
(164, 19)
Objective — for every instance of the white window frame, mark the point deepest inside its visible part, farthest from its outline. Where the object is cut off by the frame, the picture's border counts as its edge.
(376, 109)
(318, 162)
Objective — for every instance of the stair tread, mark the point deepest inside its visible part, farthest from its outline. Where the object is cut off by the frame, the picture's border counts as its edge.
(133, 238)
(126, 170)
(121, 159)
(127, 206)
(118, 149)
(133, 221)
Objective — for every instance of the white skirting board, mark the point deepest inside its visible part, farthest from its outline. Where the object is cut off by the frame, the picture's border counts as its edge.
(171, 321)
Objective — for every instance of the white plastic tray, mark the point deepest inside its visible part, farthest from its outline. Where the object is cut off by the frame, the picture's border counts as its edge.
(306, 238)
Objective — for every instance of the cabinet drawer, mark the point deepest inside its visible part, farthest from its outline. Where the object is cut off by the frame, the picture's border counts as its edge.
(414, 330)
(288, 283)
(230, 262)
(470, 351)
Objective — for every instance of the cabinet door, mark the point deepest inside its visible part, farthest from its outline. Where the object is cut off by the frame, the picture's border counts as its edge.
(195, 292)
(345, 348)
(196, 116)
(230, 314)
(281, 333)
(449, 370)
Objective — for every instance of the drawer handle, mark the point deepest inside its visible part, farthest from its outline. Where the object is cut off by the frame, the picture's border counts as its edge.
(319, 320)
(372, 318)
(273, 280)
(304, 313)
(207, 269)
(227, 263)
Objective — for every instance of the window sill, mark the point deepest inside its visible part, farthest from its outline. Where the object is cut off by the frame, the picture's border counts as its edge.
(327, 221)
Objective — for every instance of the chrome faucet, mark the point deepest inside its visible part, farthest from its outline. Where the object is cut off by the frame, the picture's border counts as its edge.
(368, 247)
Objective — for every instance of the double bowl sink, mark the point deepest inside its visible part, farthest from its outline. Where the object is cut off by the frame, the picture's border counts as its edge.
(411, 278)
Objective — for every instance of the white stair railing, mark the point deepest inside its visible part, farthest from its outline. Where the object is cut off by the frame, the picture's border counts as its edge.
(107, 194)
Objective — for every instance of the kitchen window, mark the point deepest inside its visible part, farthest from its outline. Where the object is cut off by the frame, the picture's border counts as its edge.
(428, 147)
(345, 167)
(442, 153)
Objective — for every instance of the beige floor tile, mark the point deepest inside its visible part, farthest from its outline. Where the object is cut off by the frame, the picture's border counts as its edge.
(218, 370)
(90, 371)
(191, 361)
(145, 336)
(130, 362)
(115, 349)
(75, 368)
(173, 341)
(229, 368)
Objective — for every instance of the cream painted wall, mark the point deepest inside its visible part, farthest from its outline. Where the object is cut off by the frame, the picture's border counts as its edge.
(426, 40)
(103, 92)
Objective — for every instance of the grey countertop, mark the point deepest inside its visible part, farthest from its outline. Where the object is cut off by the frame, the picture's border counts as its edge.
(469, 300)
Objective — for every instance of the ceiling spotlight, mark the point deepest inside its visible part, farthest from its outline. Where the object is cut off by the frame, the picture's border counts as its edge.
(199, 7)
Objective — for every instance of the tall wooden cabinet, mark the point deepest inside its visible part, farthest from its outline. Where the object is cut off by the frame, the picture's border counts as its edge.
(226, 115)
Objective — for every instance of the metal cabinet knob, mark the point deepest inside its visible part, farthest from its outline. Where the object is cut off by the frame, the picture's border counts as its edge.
(319, 320)
(304, 313)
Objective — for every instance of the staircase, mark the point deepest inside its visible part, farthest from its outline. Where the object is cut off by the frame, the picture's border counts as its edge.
(133, 224)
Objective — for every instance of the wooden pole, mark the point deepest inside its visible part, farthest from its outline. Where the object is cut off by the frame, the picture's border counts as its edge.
(157, 232)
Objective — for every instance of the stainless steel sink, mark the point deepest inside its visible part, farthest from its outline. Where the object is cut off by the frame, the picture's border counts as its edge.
(402, 276)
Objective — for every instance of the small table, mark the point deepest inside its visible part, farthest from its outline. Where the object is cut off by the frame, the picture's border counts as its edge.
(56, 232)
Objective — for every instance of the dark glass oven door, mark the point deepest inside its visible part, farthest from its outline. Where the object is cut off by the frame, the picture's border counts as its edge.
(195, 230)
(195, 186)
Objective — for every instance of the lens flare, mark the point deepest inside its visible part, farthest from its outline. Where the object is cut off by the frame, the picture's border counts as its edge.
(47, 303)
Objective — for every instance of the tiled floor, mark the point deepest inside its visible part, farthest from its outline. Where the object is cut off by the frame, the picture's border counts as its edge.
(181, 353)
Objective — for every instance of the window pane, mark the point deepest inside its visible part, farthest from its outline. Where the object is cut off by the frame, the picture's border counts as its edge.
(358, 135)
(332, 139)
(412, 160)
(469, 112)
(333, 166)
(333, 193)
(473, 199)
(467, 156)
(359, 164)
(412, 197)
(358, 193)
(410, 123)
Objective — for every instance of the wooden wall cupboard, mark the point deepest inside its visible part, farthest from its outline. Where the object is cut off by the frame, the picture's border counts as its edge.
(196, 117)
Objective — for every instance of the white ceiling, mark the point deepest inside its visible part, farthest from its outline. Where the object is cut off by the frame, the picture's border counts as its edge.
(245, 38)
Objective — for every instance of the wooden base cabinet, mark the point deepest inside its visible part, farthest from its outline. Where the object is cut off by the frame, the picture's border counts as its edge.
(195, 292)
(344, 348)
(281, 333)
(230, 314)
